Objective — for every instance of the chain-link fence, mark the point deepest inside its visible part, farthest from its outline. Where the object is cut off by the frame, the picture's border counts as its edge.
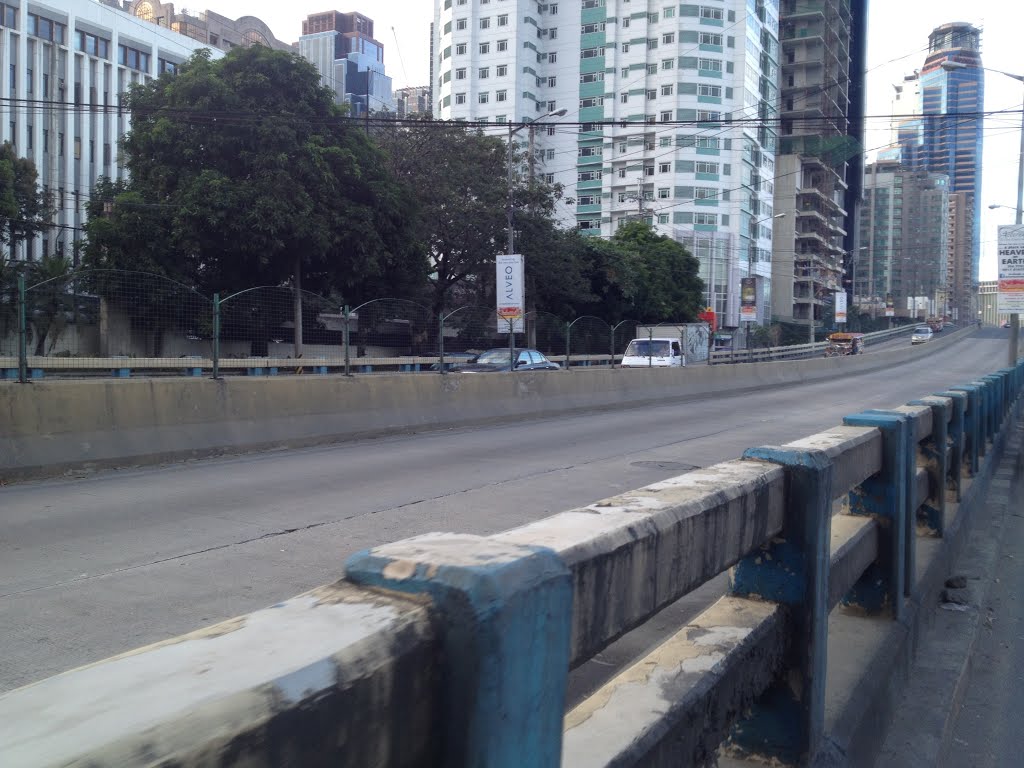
(122, 323)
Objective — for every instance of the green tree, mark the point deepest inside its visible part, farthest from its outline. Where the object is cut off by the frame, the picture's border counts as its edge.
(245, 171)
(667, 284)
(48, 303)
(459, 177)
(25, 210)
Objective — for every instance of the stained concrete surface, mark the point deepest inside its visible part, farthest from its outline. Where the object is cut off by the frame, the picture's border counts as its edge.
(92, 566)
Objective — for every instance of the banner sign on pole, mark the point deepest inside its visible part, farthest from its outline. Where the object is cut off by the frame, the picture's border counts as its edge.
(1011, 269)
(841, 307)
(748, 300)
(510, 292)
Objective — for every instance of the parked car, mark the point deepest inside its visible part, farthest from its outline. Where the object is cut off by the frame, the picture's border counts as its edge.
(497, 360)
(921, 334)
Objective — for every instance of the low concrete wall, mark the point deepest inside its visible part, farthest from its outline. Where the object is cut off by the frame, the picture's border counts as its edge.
(49, 427)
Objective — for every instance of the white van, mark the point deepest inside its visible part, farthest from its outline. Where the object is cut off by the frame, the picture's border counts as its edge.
(653, 353)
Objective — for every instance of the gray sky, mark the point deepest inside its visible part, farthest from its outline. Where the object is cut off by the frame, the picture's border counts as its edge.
(898, 38)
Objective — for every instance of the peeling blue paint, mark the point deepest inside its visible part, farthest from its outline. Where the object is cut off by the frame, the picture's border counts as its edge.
(505, 628)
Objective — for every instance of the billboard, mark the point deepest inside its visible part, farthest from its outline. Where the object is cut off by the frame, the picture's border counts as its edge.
(748, 300)
(840, 307)
(510, 293)
(1011, 269)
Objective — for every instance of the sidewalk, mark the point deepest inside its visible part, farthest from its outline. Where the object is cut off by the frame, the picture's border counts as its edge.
(964, 702)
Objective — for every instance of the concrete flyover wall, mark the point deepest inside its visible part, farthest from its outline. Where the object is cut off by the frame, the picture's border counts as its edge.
(48, 427)
(454, 650)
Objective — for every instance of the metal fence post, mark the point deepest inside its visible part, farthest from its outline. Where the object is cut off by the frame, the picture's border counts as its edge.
(650, 347)
(345, 339)
(440, 342)
(22, 333)
(568, 347)
(216, 335)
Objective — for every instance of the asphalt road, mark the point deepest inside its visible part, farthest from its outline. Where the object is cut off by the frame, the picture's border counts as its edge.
(97, 565)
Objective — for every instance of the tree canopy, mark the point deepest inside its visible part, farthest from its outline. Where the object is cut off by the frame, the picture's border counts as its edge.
(243, 171)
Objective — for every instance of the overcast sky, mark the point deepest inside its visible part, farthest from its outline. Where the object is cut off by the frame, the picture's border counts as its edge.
(896, 46)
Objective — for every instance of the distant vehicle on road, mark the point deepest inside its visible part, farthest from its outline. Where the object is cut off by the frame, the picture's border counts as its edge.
(840, 344)
(656, 352)
(921, 334)
(454, 359)
(1006, 324)
(498, 360)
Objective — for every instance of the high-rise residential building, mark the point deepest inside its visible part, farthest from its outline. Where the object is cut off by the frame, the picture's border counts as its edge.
(904, 228)
(818, 165)
(945, 134)
(414, 100)
(68, 68)
(209, 28)
(669, 115)
(350, 61)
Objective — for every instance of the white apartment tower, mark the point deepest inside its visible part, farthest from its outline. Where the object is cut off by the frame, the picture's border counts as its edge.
(670, 114)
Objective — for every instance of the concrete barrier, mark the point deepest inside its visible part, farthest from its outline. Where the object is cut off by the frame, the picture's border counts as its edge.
(49, 427)
(454, 650)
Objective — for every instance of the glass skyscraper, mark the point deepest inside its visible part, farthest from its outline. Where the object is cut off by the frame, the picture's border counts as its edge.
(946, 136)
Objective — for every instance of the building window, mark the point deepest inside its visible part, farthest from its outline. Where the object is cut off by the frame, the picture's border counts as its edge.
(485, 47)
(652, 43)
(485, 23)
(460, 49)
(667, 63)
(484, 97)
(502, 45)
(705, 218)
(594, 101)
(705, 142)
(709, 38)
(666, 116)
(625, 47)
(709, 90)
(666, 90)
(460, 73)
(648, 170)
(625, 22)
(586, 29)
(501, 70)
(705, 116)
(133, 58)
(652, 69)
(705, 193)
(664, 193)
(501, 95)
(668, 13)
(460, 98)
(552, 106)
(503, 20)
(591, 53)
(552, 81)
(703, 167)
(460, 24)
(42, 27)
(668, 38)
(651, 94)
(709, 65)
(711, 13)
(624, 97)
(552, 58)
(484, 73)
(664, 167)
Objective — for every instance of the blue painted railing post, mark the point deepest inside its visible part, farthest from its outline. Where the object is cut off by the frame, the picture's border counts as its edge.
(504, 616)
(884, 496)
(972, 424)
(956, 439)
(936, 455)
(793, 570)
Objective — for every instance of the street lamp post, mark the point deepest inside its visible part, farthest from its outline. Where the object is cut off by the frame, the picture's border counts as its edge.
(950, 66)
(512, 131)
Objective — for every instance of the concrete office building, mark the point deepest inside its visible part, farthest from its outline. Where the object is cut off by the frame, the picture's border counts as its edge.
(818, 168)
(904, 226)
(667, 119)
(71, 64)
(209, 28)
(350, 61)
(414, 100)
